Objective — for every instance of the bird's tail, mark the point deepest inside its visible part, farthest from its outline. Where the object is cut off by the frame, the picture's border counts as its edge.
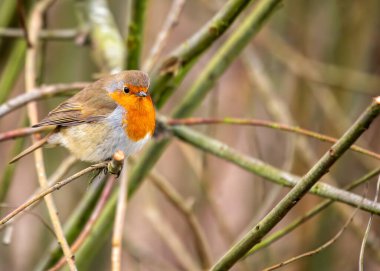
(32, 148)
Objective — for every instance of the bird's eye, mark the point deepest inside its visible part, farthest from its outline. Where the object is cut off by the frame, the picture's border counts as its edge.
(126, 89)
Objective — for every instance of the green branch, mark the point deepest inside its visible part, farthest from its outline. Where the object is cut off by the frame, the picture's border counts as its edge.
(302, 187)
(136, 34)
(174, 68)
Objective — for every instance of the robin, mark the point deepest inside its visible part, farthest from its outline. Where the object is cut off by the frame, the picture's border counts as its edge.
(113, 113)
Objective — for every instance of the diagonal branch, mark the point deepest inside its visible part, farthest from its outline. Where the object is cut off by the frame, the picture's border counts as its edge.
(300, 189)
(174, 68)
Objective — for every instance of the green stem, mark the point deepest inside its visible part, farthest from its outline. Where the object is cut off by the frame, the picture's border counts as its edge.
(136, 34)
(254, 236)
(224, 56)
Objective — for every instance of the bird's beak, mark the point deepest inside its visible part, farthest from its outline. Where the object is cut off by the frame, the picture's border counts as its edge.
(141, 94)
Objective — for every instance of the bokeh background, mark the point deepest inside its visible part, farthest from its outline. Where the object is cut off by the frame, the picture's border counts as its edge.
(314, 64)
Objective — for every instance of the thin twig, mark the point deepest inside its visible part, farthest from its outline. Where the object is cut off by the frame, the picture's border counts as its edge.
(121, 207)
(49, 190)
(267, 124)
(317, 250)
(90, 222)
(56, 34)
(38, 93)
(159, 44)
(187, 211)
(365, 238)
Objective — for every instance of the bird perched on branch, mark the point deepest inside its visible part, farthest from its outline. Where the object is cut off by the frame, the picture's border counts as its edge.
(113, 113)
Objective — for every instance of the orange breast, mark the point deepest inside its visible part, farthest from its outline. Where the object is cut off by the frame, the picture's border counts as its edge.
(140, 117)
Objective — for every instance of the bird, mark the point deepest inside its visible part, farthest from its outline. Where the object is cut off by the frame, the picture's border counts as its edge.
(113, 113)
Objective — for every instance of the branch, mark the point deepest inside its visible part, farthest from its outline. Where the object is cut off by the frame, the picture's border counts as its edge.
(58, 34)
(37, 94)
(307, 216)
(300, 189)
(365, 238)
(176, 65)
(49, 190)
(107, 44)
(22, 132)
(317, 250)
(121, 207)
(136, 33)
(90, 222)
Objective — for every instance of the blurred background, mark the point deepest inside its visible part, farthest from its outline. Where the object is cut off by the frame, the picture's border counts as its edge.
(314, 64)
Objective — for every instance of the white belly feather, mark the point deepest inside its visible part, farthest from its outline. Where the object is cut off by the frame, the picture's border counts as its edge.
(98, 141)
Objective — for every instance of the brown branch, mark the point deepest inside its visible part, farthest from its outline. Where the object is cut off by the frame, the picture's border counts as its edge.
(37, 93)
(267, 124)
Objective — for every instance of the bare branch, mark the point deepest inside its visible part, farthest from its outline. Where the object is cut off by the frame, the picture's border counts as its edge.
(37, 94)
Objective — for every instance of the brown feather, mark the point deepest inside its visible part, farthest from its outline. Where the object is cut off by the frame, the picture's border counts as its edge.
(91, 104)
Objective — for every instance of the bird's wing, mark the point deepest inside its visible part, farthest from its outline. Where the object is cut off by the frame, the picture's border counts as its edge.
(89, 105)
